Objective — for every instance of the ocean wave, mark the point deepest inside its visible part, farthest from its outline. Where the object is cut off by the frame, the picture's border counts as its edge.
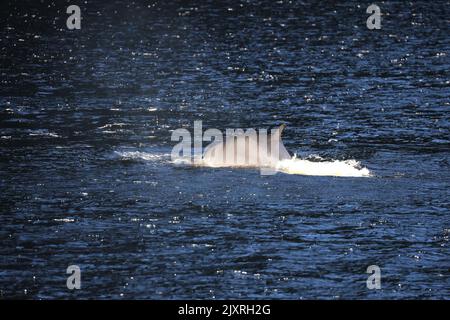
(43, 133)
(139, 155)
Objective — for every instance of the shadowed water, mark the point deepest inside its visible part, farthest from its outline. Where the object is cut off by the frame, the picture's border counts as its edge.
(85, 174)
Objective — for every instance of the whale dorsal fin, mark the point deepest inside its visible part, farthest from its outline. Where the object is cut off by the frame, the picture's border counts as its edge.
(275, 133)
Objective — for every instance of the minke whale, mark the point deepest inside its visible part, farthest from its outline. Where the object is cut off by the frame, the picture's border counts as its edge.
(255, 149)
(247, 149)
(267, 152)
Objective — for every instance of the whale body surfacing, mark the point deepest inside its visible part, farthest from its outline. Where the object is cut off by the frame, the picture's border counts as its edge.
(267, 152)
(247, 149)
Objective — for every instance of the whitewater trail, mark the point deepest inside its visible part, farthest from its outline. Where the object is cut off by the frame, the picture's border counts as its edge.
(336, 168)
(319, 167)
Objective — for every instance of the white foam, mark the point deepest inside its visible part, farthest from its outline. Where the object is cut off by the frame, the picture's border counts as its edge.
(110, 125)
(43, 133)
(138, 155)
(318, 167)
(336, 168)
(64, 220)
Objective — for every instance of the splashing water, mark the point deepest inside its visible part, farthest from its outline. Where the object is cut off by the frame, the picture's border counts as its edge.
(346, 168)
(319, 167)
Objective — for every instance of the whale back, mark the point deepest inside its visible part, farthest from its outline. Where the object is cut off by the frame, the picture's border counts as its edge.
(247, 150)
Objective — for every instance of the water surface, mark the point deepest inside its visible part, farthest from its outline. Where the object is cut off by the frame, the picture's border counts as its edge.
(85, 123)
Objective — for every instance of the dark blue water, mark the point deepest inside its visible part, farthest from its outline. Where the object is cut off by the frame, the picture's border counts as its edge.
(85, 123)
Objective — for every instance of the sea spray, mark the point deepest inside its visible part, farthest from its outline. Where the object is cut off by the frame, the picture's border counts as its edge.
(337, 168)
